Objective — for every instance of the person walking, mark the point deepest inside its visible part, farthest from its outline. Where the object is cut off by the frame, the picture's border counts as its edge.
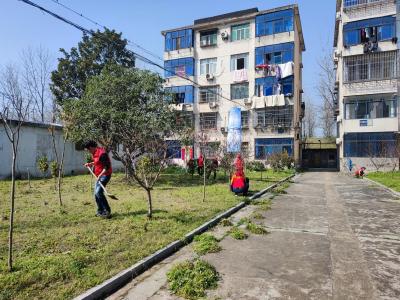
(102, 170)
(200, 164)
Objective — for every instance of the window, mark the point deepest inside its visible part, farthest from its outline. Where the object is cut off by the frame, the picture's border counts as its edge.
(208, 38)
(272, 23)
(274, 54)
(208, 66)
(240, 32)
(372, 66)
(208, 94)
(268, 86)
(184, 119)
(181, 67)
(245, 119)
(176, 40)
(266, 147)
(239, 61)
(371, 144)
(174, 149)
(371, 109)
(275, 117)
(208, 121)
(239, 91)
(245, 148)
(371, 30)
(180, 94)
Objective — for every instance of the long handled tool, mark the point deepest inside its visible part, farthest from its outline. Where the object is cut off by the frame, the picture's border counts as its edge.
(104, 189)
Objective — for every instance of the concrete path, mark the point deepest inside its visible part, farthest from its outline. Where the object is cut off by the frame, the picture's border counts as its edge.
(332, 237)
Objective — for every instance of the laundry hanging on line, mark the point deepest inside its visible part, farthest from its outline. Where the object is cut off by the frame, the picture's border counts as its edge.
(240, 75)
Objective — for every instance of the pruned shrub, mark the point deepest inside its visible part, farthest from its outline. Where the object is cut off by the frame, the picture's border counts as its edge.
(257, 166)
(280, 161)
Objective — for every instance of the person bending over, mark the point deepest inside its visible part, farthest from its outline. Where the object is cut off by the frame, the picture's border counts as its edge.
(239, 184)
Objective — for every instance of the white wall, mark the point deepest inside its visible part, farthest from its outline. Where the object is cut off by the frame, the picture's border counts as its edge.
(36, 142)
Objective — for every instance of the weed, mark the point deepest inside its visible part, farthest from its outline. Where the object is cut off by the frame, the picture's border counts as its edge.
(243, 221)
(264, 204)
(281, 188)
(205, 243)
(238, 234)
(257, 216)
(191, 279)
(226, 222)
(256, 229)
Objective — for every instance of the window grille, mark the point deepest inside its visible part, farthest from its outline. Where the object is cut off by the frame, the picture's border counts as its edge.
(371, 66)
(275, 117)
(208, 121)
(245, 119)
(209, 94)
(353, 3)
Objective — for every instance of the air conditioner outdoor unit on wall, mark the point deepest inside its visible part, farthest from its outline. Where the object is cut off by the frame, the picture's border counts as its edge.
(210, 77)
(224, 35)
(213, 104)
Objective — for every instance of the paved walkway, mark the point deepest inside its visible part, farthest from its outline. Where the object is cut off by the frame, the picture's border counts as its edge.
(332, 237)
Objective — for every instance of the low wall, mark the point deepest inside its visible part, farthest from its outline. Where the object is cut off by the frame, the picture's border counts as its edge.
(371, 164)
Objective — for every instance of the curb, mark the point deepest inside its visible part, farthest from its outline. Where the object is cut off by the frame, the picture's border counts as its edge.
(393, 192)
(119, 280)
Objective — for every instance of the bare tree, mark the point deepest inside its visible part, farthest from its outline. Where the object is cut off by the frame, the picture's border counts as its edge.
(310, 118)
(36, 77)
(325, 89)
(13, 112)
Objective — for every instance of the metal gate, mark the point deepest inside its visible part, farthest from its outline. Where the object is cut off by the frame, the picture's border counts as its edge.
(319, 156)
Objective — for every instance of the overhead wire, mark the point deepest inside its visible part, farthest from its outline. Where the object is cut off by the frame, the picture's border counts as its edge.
(135, 54)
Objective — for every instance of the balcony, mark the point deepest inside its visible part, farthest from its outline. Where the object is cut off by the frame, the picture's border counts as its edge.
(355, 9)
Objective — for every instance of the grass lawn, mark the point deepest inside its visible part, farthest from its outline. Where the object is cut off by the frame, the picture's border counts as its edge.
(61, 253)
(390, 179)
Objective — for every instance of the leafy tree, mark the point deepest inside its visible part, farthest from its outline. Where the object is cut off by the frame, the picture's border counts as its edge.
(123, 109)
(43, 164)
(93, 53)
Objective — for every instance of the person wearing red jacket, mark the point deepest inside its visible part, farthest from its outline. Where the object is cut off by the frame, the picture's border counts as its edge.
(200, 164)
(239, 183)
(103, 170)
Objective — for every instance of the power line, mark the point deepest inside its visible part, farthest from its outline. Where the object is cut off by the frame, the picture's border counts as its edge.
(136, 55)
(104, 27)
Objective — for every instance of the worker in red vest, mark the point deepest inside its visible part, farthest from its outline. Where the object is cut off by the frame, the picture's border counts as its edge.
(239, 183)
(103, 170)
(200, 164)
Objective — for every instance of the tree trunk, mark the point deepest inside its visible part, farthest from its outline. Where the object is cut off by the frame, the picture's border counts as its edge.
(61, 171)
(150, 205)
(12, 202)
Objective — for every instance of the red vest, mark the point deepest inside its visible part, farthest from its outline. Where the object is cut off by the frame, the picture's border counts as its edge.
(98, 165)
(238, 182)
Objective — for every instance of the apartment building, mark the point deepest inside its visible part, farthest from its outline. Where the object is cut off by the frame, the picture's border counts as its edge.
(249, 59)
(366, 88)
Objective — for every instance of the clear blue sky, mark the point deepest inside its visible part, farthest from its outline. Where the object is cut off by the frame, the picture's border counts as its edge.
(141, 21)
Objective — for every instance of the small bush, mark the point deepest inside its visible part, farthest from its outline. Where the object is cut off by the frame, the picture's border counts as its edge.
(42, 164)
(54, 168)
(191, 279)
(256, 166)
(226, 222)
(280, 161)
(205, 243)
(256, 229)
(258, 216)
(238, 234)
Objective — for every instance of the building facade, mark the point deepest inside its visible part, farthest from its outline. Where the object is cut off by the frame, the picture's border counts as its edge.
(366, 87)
(249, 59)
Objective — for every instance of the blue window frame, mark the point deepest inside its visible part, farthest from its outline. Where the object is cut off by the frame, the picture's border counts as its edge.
(275, 54)
(268, 85)
(181, 66)
(174, 149)
(181, 39)
(277, 22)
(266, 147)
(181, 94)
(377, 29)
(371, 144)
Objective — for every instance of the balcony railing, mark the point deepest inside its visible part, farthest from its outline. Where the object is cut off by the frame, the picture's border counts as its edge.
(368, 8)
(350, 4)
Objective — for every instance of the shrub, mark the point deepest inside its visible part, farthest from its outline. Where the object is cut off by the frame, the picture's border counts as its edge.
(226, 222)
(256, 166)
(205, 243)
(43, 164)
(238, 234)
(280, 161)
(54, 168)
(256, 229)
(191, 279)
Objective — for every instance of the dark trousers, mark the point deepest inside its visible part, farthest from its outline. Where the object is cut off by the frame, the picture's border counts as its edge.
(101, 200)
(200, 170)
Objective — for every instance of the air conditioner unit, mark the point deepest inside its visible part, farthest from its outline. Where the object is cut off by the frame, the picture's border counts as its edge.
(223, 129)
(247, 101)
(213, 104)
(224, 35)
(210, 77)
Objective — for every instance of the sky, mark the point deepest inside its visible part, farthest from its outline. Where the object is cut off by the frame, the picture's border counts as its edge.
(22, 26)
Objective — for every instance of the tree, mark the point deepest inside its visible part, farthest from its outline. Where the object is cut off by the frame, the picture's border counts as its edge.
(93, 53)
(123, 109)
(13, 112)
(36, 77)
(326, 91)
(310, 118)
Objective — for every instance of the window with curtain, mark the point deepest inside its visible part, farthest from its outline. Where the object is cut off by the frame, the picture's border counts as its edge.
(239, 61)
(240, 32)
(239, 91)
(208, 66)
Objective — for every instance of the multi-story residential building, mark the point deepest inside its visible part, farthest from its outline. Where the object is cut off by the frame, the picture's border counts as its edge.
(366, 55)
(249, 59)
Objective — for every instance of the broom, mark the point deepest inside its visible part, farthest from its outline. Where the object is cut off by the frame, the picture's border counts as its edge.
(104, 189)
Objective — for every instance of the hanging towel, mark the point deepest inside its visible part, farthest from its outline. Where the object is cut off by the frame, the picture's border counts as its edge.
(287, 69)
(278, 72)
(258, 102)
(276, 89)
(240, 75)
